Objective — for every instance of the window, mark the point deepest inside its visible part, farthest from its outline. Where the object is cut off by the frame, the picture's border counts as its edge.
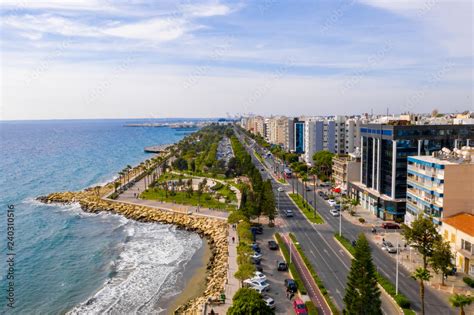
(453, 238)
(446, 235)
(466, 245)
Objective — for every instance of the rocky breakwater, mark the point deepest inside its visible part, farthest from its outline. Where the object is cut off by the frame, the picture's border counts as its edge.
(214, 230)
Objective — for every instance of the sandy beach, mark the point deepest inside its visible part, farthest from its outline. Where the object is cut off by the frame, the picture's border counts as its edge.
(193, 280)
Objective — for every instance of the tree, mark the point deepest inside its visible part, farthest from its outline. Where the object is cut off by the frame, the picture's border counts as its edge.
(461, 301)
(442, 259)
(180, 164)
(267, 201)
(422, 235)
(362, 294)
(422, 275)
(247, 301)
(323, 164)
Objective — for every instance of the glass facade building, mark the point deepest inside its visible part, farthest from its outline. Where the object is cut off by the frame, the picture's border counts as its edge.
(299, 136)
(385, 148)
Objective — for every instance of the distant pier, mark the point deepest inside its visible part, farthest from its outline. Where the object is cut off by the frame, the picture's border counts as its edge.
(157, 148)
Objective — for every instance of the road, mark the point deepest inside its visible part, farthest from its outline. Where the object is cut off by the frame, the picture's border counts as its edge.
(332, 263)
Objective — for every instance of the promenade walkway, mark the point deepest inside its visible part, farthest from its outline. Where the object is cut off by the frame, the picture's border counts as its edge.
(233, 284)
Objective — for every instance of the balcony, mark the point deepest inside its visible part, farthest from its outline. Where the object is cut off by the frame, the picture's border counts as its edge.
(465, 253)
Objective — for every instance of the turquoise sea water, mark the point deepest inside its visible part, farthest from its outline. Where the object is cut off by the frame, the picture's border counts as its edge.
(68, 260)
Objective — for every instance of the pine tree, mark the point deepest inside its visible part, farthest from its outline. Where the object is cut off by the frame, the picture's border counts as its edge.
(362, 294)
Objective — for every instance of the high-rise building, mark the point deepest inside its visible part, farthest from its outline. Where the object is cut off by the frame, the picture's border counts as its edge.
(385, 148)
(440, 185)
(298, 136)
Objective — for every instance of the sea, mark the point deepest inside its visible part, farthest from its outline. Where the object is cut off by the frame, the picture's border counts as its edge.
(69, 261)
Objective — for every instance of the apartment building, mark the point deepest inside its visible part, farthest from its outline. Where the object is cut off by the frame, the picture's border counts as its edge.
(440, 185)
(459, 231)
(345, 169)
(385, 147)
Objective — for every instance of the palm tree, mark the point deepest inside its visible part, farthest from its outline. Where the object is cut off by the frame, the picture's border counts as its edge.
(421, 274)
(461, 301)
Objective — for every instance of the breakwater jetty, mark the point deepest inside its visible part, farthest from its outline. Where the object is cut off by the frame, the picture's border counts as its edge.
(157, 148)
(214, 230)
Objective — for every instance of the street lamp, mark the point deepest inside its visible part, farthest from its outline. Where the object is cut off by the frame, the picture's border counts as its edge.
(340, 217)
(396, 274)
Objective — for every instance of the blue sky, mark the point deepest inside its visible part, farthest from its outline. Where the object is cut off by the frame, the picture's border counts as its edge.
(116, 59)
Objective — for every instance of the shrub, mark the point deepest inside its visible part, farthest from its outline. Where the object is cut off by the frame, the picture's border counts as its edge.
(361, 220)
(468, 281)
(312, 310)
(402, 301)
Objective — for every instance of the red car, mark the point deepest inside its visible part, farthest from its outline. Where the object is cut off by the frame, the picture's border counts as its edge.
(299, 307)
(390, 225)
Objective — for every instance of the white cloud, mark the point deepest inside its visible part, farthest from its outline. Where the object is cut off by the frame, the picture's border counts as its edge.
(206, 10)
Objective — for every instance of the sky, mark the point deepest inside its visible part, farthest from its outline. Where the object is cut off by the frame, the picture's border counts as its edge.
(157, 59)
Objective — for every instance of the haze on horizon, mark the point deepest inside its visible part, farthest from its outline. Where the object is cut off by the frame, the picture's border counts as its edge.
(76, 59)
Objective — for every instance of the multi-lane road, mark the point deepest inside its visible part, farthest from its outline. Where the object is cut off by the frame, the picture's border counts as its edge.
(332, 263)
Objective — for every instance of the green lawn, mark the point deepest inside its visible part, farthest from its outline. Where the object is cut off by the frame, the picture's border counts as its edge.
(206, 200)
(307, 209)
(282, 180)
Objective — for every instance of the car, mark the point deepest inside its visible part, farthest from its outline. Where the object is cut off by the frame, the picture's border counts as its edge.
(262, 169)
(269, 301)
(389, 247)
(256, 256)
(259, 286)
(257, 275)
(321, 194)
(334, 212)
(337, 206)
(280, 189)
(291, 285)
(325, 197)
(282, 266)
(256, 248)
(390, 226)
(255, 261)
(256, 229)
(299, 307)
(332, 202)
(272, 245)
(259, 268)
(308, 188)
(288, 213)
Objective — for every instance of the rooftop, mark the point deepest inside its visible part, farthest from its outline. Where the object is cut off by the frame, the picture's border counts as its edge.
(463, 222)
(448, 157)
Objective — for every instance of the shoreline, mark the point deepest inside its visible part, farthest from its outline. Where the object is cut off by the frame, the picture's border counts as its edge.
(194, 279)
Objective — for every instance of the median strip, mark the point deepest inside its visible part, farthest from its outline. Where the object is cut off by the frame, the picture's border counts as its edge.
(384, 283)
(309, 212)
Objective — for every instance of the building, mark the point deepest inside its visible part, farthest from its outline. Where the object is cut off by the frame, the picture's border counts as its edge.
(440, 185)
(298, 136)
(459, 231)
(345, 169)
(385, 147)
(352, 134)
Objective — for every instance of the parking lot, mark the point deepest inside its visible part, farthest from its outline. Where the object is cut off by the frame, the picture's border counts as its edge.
(275, 278)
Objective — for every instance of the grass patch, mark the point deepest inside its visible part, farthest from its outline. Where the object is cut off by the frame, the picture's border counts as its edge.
(401, 299)
(291, 266)
(312, 310)
(281, 180)
(315, 276)
(307, 209)
(180, 197)
(259, 157)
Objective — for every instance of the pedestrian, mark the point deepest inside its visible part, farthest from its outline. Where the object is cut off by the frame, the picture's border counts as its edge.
(233, 239)
(383, 239)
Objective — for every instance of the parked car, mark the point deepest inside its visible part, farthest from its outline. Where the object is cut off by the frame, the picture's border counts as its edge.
(389, 247)
(332, 202)
(256, 256)
(334, 212)
(308, 188)
(390, 225)
(280, 189)
(259, 289)
(257, 275)
(289, 213)
(282, 266)
(269, 301)
(321, 194)
(291, 285)
(325, 197)
(259, 268)
(272, 245)
(255, 261)
(257, 229)
(299, 307)
(256, 248)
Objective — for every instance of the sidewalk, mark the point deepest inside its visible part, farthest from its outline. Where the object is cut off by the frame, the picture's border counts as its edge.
(233, 284)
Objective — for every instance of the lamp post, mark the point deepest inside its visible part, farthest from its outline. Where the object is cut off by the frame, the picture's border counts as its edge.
(340, 217)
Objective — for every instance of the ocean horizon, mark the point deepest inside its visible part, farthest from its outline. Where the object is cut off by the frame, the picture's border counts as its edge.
(71, 261)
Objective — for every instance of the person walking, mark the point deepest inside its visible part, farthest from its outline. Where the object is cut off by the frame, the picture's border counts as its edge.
(233, 239)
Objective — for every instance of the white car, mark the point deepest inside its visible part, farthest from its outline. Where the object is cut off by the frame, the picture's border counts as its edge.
(332, 202)
(257, 285)
(334, 213)
(269, 301)
(256, 256)
(288, 213)
(280, 189)
(259, 276)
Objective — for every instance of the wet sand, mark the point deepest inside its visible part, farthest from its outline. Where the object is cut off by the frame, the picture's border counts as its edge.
(194, 279)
